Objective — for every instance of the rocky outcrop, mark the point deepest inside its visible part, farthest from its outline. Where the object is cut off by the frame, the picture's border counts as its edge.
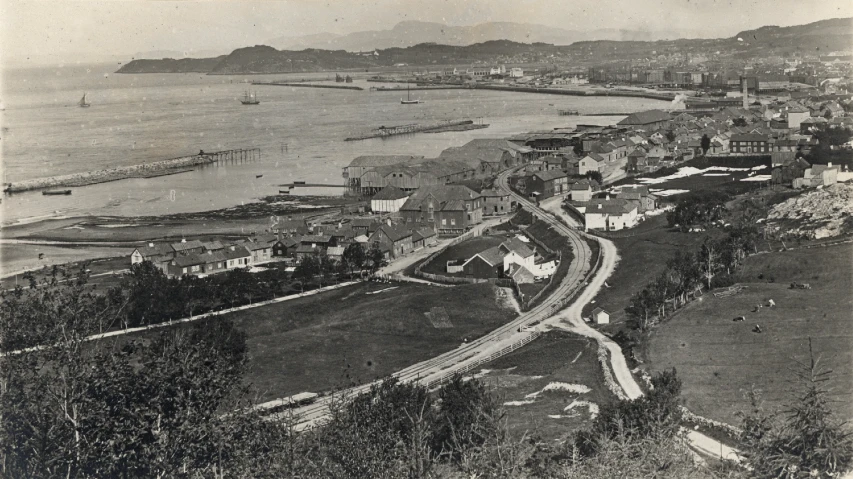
(822, 213)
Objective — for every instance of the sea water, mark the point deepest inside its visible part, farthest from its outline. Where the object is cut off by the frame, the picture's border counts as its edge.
(300, 132)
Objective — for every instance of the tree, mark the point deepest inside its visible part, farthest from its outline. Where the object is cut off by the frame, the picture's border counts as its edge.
(706, 144)
(739, 122)
(307, 269)
(655, 415)
(467, 416)
(375, 258)
(577, 149)
(354, 257)
(670, 136)
(805, 439)
(709, 260)
(595, 176)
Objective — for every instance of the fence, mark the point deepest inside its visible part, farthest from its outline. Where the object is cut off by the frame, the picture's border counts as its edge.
(468, 367)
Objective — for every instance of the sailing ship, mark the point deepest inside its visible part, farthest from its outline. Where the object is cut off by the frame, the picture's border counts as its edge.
(83, 103)
(408, 100)
(250, 99)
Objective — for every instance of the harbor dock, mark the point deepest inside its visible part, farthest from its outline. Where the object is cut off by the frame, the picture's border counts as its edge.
(447, 125)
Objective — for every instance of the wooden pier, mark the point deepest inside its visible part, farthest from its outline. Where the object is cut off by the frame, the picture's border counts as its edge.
(386, 131)
(234, 156)
(309, 85)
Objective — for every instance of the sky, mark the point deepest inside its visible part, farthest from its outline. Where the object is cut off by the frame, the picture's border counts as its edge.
(67, 29)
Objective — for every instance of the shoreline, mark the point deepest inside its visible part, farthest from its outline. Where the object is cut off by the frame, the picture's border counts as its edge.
(555, 91)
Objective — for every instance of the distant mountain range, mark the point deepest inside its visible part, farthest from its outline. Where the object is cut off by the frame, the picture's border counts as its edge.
(410, 33)
(817, 38)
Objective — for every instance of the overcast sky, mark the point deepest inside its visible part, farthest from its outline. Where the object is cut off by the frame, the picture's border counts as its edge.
(35, 28)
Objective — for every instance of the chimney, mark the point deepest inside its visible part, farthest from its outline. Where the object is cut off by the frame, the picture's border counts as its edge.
(150, 245)
(183, 240)
(745, 93)
(388, 221)
(829, 165)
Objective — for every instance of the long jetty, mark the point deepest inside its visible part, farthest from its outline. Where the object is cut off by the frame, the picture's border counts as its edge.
(310, 85)
(560, 91)
(386, 131)
(424, 87)
(145, 170)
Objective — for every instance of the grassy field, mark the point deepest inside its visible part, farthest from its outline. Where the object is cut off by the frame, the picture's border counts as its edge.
(641, 258)
(347, 336)
(719, 360)
(463, 250)
(556, 356)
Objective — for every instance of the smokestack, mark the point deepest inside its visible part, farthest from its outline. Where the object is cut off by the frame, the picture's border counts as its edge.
(745, 94)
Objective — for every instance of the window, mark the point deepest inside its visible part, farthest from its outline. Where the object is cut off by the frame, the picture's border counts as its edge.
(469, 217)
(453, 221)
(443, 222)
(184, 270)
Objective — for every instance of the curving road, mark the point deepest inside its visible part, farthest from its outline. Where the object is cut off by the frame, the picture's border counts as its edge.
(497, 341)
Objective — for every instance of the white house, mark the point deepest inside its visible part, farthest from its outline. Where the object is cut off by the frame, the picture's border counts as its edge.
(590, 162)
(517, 252)
(516, 72)
(600, 316)
(610, 215)
(581, 191)
(389, 200)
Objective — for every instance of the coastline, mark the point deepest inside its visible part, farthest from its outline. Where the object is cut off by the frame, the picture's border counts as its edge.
(556, 91)
(309, 85)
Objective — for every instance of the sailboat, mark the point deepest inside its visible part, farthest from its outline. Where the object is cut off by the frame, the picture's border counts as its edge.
(408, 100)
(83, 103)
(250, 99)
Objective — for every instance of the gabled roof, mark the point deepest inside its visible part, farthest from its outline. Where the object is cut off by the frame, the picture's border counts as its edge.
(384, 160)
(187, 245)
(493, 193)
(395, 233)
(599, 310)
(645, 117)
(517, 246)
(748, 137)
(609, 207)
(254, 246)
(582, 185)
(390, 192)
(315, 239)
(492, 256)
(596, 157)
(550, 175)
(155, 249)
(335, 251)
(236, 252)
(361, 222)
(453, 205)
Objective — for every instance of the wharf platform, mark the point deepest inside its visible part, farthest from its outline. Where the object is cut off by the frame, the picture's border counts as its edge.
(309, 85)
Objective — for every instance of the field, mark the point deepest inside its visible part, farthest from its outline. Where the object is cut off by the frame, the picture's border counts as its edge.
(555, 357)
(719, 360)
(347, 337)
(641, 258)
(463, 250)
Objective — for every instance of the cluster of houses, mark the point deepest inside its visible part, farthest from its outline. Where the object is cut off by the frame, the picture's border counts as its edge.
(199, 258)
(513, 258)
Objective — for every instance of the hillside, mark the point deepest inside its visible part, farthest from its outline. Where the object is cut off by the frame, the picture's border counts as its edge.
(815, 38)
(410, 33)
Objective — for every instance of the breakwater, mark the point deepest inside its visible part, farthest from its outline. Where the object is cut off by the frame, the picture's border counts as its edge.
(386, 131)
(310, 85)
(145, 170)
(400, 89)
(556, 91)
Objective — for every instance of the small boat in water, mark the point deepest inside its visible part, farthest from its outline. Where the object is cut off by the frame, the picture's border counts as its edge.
(568, 112)
(259, 176)
(56, 192)
(284, 192)
(82, 102)
(408, 100)
(250, 99)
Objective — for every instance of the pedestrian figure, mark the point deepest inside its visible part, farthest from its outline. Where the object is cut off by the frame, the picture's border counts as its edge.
(757, 329)
(771, 303)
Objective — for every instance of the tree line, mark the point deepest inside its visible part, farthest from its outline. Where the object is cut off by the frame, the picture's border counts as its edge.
(711, 266)
(146, 296)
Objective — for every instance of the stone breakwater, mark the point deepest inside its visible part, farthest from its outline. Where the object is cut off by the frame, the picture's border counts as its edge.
(146, 170)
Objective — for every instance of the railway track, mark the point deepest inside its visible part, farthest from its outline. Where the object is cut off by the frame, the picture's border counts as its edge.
(439, 368)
